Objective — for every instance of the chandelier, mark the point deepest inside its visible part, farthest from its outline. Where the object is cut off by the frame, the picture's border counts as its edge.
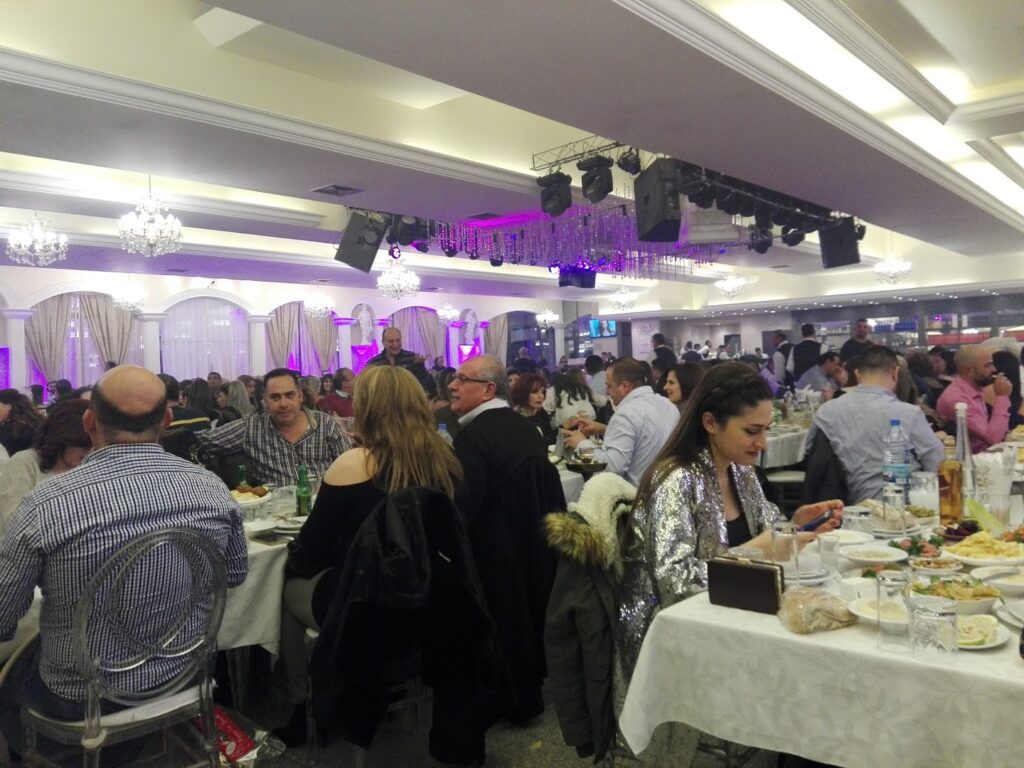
(623, 299)
(546, 319)
(447, 314)
(397, 282)
(731, 285)
(36, 245)
(892, 270)
(148, 229)
(128, 300)
(317, 306)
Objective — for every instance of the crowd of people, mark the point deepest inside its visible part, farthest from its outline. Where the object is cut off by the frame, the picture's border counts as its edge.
(681, 437)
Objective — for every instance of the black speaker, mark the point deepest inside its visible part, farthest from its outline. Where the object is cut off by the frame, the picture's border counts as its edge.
(839, 244)
(565, 275)
(656, 192)
(360, 241)
(584, 278)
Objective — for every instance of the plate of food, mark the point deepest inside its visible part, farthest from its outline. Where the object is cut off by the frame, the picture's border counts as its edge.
(250, 496)
(979, 633)
(866, 554)
(959, 531)
(981, 549)
(919, 546)
(291, 523)
(935, 566)
(255, 528)
(1008, 579)
(970, 594)
(848, 537)
(893, 614)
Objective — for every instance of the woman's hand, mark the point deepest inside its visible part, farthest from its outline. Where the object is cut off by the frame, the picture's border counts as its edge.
(811, 512)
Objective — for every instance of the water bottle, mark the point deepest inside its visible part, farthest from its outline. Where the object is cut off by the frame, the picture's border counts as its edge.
(442, 430)
(896, 457)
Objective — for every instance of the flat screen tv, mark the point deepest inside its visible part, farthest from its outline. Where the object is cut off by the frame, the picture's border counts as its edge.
(603, 328)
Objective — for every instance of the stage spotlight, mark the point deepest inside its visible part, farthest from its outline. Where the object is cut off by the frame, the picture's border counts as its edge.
(747, 204)
(629, 161)
(792, 236)
(760, 239)
(703, 197)
(395, 252)
(497, 260)
(859, 231)
(727, 200)
(473, 254)
(597, 177)
(555, 195)
(406, 229)
(450, 251)
(763, 211)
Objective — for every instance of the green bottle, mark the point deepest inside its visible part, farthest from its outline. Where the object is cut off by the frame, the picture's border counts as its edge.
(303, 493)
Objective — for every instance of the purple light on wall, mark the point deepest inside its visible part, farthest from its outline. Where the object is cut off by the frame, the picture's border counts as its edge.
(361, 354)
(5, 367)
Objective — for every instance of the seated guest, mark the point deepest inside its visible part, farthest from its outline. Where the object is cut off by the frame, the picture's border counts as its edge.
(285, 435)
(226, 412)
(975, 371)
(1009, 365)
(680, 381)
(512, 376)
(699, 498)
(58, 390)
(238, 398)
(18, 421)
(37, 396)
(182, 417)
(399, 448)
(60, 444)
(569, 397)
(326, 380)
(199, 397)
(636, 432)
(338, 402)
(65, 529)
(310, 386)
(822, 376)
(527, 399)
(856, 425)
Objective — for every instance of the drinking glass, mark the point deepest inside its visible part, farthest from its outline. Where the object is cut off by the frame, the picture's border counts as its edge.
(924, 490)
(999, 506)
(933, 628)
(828, 550)
(785, 548)
(893, 634)
(892, 506)
(283, 502)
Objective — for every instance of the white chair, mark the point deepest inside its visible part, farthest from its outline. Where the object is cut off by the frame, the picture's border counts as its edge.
(158, 599)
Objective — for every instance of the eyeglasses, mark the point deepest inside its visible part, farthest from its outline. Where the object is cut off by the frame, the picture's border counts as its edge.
(462, 379)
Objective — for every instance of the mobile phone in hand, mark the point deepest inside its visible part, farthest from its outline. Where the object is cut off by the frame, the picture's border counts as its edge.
(816, 522)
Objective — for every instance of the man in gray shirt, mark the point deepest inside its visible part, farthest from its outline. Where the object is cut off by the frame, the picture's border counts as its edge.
(857, 423)
(821, 377)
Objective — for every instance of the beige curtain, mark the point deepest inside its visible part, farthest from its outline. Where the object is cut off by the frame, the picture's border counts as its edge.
(421, 331)
(46, 333)
(282, 331)
(111, 328)
(324, 338)
(496, 337)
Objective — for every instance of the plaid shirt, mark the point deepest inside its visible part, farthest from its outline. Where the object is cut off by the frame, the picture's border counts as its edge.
(69, 525)
(274, 459)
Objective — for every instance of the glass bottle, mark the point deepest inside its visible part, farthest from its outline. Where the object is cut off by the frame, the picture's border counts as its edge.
(963, 453)
(303, 493)
(951, 500)
(241, 475)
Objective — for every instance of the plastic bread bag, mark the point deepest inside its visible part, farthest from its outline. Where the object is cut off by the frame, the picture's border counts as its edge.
(805, 610)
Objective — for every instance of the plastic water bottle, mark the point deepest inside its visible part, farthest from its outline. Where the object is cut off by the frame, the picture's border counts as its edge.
(896, 457)
(442, 430)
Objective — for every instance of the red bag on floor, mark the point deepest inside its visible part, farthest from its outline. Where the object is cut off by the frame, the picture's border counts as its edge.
(232, 740)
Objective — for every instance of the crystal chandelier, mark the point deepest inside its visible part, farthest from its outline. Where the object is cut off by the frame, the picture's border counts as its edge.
(317, 306)
(546, 319)
(892, 270)
(623, 299)
(36, 245)
(397, 282)
(148, 229)
(731, 285)
(128, 300)
(447, 314)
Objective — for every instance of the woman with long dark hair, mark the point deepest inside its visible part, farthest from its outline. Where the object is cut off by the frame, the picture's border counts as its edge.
(680, 382)
(527, 398)
(569, 396)
(18, 421)
(700, 497)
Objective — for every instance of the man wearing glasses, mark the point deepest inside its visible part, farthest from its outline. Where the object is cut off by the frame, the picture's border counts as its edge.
(975, 372)
(510, 487)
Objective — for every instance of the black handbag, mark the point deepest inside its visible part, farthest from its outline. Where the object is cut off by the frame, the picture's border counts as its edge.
(750, 585)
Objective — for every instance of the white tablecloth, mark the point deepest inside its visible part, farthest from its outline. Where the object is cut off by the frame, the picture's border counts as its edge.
(832, 696)
(784, 449)
(572, 484)
(252, 615)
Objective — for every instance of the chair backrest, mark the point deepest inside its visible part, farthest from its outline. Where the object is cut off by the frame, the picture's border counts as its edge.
(156, 604)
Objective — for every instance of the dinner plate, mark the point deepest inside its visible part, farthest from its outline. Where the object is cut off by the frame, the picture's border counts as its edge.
(848, 538)
(1009, 618)
(809, 579)
(881, 533)
(985, 561)
(866, 608)
(1011, 585)
(259, 527)
(292, 523)
(255, 502)
(1016, 608)
(872, 554)
(1002, 635)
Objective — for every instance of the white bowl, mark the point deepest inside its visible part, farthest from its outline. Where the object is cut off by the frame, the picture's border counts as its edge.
(867, 608)
(872, 554)
(1011, 586)
(972, 606)
(952, 565)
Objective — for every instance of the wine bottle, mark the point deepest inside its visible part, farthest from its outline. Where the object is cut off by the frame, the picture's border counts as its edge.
(951, 500)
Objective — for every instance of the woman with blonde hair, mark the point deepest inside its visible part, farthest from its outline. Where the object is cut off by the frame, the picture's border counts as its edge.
(399, 448)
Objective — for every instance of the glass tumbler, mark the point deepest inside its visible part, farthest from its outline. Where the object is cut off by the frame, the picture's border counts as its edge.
(893, 635)
(785, 549)
(828, 550)
(892, 508)
(933, 628)
(924, 491)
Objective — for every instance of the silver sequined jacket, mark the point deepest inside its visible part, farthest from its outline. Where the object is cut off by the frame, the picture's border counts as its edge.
(670, 539)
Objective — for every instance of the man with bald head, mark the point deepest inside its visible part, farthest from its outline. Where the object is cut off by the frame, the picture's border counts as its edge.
(511, 487)
(69, 525)
(975, 372)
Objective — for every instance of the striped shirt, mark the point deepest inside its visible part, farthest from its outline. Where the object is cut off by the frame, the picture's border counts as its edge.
(69, 525)
(275, 459)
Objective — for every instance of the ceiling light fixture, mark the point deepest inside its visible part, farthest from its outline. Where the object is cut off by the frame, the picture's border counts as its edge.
(317, 306)
(623, 299)
(597, 177)
(555, 195)
(791, 236)
(629, 161)
(396, 282)
(892, 270)
(36, 244)
(546, 319)
(148, 229)
(447, 314)
(760, 239)
(128, 300)
(731, 285)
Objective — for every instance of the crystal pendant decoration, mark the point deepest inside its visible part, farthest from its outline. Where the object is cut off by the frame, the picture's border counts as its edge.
(36, 245)
(149, 229)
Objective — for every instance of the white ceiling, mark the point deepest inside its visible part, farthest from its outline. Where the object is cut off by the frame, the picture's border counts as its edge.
(435, 109)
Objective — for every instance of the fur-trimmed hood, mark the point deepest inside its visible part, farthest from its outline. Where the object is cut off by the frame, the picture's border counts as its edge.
(588, 532)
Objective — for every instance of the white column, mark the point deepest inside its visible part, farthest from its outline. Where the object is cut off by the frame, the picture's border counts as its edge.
(258, 344)
(482, 336)
(344, 326)
(151, 339)
(453, 346)
(559, 331)
(16, 343)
